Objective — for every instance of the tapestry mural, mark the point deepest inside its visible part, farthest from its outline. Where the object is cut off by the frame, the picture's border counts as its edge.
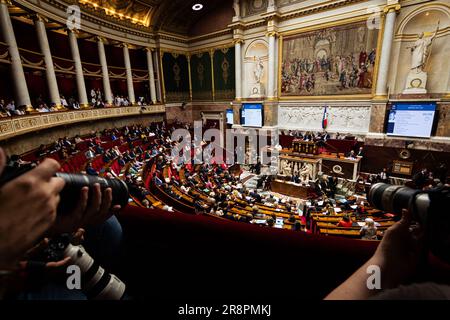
(201, 77)
(337, 60)
(176, 77)
(224, 77)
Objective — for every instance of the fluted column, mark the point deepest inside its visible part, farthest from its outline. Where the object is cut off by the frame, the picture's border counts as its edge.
(385, 57)
(81, 85)
(105, 72)
(52, 83)
(18, 76)
(151, 75)
(238, 69)
(126, 58)
(271, 73)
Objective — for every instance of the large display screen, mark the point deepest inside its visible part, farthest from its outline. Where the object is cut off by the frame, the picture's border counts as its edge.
(252, 115)
(411, 120)
(230, 116)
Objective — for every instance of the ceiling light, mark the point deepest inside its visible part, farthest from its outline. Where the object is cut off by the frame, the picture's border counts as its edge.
(197, 7)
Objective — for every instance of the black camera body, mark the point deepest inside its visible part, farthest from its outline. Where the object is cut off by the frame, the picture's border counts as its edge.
(429, 208)
(70, 195)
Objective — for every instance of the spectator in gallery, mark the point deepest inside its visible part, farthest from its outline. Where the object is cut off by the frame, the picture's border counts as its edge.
(11, 107)
(64, 102)
(3, 111)
(73, 104)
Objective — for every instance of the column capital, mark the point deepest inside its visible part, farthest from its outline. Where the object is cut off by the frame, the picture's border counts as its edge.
(72, 30)
(38, 17)
(8, 2)
(148, 49)
(125, 45)
(272, 34)
(393, 7)
(238, 41)
(100, 39)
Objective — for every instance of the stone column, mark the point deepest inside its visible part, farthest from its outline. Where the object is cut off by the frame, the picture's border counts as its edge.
(385, 57)
(52, 83)
(271, 75)
(151, 75)
(81, 86)
(126, 58)
(18, 76)
(105, 72)
(238, 69)
(158, 76)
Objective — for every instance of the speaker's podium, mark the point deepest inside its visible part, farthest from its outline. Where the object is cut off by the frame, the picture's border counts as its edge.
(305, 147)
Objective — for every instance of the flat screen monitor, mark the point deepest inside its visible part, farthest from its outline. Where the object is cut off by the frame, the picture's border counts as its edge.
(252, 115)
(411, 120)
(230, 116)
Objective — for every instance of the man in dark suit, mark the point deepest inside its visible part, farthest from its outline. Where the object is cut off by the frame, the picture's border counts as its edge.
(420, 178)
(324, 185)
(383, 176)
(360, 152)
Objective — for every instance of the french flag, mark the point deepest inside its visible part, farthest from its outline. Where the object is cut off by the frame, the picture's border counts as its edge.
(325, 118)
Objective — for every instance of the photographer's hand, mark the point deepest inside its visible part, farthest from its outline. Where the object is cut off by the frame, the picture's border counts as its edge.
(87, 213)
(27, 209)
(398, 256)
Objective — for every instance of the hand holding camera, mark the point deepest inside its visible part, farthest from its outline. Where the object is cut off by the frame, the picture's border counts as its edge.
(28, 206)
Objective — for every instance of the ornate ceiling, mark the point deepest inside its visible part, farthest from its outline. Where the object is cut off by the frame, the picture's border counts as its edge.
(174, 16)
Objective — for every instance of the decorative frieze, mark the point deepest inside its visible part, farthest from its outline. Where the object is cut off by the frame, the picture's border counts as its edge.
(10, 127)
(346, 119)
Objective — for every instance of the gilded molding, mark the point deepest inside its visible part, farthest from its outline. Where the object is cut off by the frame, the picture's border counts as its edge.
(393, 7)
(10, 127)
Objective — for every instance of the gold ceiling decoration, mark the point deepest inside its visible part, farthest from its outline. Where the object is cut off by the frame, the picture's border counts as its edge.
(134, 11)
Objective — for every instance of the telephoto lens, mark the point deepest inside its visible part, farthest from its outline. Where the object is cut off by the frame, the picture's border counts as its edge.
(71, 193)
(97, 283)
(393, 199)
